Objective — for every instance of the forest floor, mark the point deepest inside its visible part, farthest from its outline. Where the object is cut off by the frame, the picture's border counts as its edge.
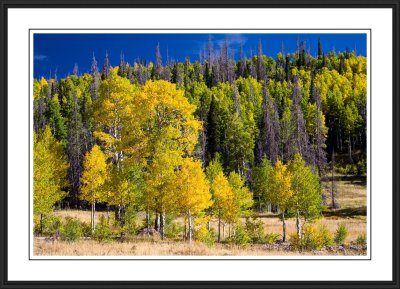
(351, 197)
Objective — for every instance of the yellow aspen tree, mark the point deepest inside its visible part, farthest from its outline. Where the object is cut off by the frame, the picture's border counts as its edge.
(243, 197)
(281, 191)
(49, 173)
(223, 199)
(158, 190)
(192, 191)
(307, 192)
(116, 126)
(171, 132)
(93, 178)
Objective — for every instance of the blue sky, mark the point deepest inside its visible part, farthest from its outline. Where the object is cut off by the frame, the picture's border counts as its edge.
(62, 51)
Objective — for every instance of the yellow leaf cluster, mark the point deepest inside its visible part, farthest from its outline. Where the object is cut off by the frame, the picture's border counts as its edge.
(191, 187)
(281, 186)
(94, 175)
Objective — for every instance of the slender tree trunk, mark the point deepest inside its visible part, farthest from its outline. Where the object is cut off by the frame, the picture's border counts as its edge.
(41, 223)
(190, 226)
(184, 229)
(93, 216)
(219, 228)
(298, 228)
(283, 227)
(333, 180)
(148, 222)
(108, 215)
(162, 225)
(157, 222)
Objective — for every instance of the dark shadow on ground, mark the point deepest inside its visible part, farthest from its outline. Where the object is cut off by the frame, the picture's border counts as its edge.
(347, 212)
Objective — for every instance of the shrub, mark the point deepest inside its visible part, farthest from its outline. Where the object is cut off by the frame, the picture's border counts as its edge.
(204, 235)
(240, 236)
(51, 225)
(172, 229)
(272, 238)
(325, 238)
(340, 234)
(102, 231)
(312, 238)
(86, 229)
(361, 167)
(361, 239)
(71, 230)
(255, 230)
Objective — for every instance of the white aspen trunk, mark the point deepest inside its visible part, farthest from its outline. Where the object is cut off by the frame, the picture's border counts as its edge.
(190, 226)
(298, 228)
(94, 215)
(162, 225)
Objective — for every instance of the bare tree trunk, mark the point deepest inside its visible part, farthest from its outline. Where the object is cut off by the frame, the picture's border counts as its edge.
(333, 197)
(184, 229)
(219, 228)
(298, 228)
(283, 227)
(108, 215)
(190, 226)
(162, 225)
(148, 222)
(41, 223)
(93, 216)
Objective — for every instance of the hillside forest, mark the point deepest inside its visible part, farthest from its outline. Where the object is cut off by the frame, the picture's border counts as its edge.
(212, 143)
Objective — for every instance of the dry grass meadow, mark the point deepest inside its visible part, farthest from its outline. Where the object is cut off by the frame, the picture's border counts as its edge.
(351, 195)
(143, 247)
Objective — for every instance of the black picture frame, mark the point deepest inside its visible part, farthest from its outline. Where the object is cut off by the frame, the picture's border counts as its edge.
(5, 5)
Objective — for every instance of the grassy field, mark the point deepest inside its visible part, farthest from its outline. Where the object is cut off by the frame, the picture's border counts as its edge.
(351, 195)
(143, 247)
(351, 191)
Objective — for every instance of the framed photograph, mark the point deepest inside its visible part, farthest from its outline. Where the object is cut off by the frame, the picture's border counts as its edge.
(205, 145)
